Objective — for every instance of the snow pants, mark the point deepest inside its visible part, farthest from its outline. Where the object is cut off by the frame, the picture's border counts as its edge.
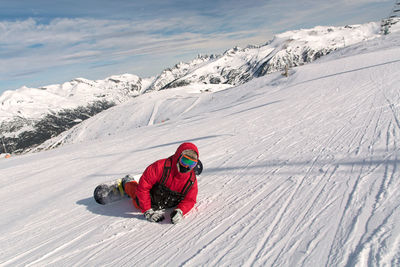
(130, 189)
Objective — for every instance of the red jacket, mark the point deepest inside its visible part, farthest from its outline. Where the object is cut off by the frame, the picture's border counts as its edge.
(175, 182)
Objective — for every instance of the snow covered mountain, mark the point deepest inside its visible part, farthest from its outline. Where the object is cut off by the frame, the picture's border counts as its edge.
(32, 103)
(294, 48)
(27, 110)
(28, 114)
(298, 171)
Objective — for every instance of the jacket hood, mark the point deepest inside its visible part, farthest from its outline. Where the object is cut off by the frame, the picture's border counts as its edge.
(178, 153)
(183, 147)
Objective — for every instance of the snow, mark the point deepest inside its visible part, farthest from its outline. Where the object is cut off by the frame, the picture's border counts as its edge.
(298, 171)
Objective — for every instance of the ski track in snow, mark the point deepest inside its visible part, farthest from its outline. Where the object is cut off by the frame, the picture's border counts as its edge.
(299, 171)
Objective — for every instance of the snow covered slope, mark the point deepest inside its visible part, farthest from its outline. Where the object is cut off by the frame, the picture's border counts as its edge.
(299, 171)
(148, 109)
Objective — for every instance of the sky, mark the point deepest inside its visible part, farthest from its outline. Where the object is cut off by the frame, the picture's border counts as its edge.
(45, 42)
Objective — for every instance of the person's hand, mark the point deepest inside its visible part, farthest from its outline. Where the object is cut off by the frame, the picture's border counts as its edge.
(176, 216)
(153, 216)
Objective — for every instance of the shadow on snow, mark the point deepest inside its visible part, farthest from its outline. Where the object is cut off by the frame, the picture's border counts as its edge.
(123, 208)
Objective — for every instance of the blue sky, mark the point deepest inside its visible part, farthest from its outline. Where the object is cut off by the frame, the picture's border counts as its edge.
(44, 42)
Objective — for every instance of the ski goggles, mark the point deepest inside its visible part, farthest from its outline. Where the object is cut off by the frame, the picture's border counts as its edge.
(187, 162)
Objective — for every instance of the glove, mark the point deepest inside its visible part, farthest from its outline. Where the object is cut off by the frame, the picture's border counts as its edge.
(176, 216)
(153, 216)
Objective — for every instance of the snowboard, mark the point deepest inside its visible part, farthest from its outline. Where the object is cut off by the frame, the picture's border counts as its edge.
(111, 191)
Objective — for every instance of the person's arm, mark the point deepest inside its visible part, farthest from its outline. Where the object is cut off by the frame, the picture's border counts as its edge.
(149, 177)
(190, 200)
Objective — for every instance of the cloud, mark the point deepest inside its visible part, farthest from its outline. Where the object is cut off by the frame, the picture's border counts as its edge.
(358, 2)
(29, 46)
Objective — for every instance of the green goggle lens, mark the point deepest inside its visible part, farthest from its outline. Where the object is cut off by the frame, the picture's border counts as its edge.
(187, 162)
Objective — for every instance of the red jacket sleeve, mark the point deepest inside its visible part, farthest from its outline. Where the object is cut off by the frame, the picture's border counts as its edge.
(149, 177)
(190, 199)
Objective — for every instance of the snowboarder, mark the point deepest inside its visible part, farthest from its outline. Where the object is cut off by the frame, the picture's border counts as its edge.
(167, 183)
